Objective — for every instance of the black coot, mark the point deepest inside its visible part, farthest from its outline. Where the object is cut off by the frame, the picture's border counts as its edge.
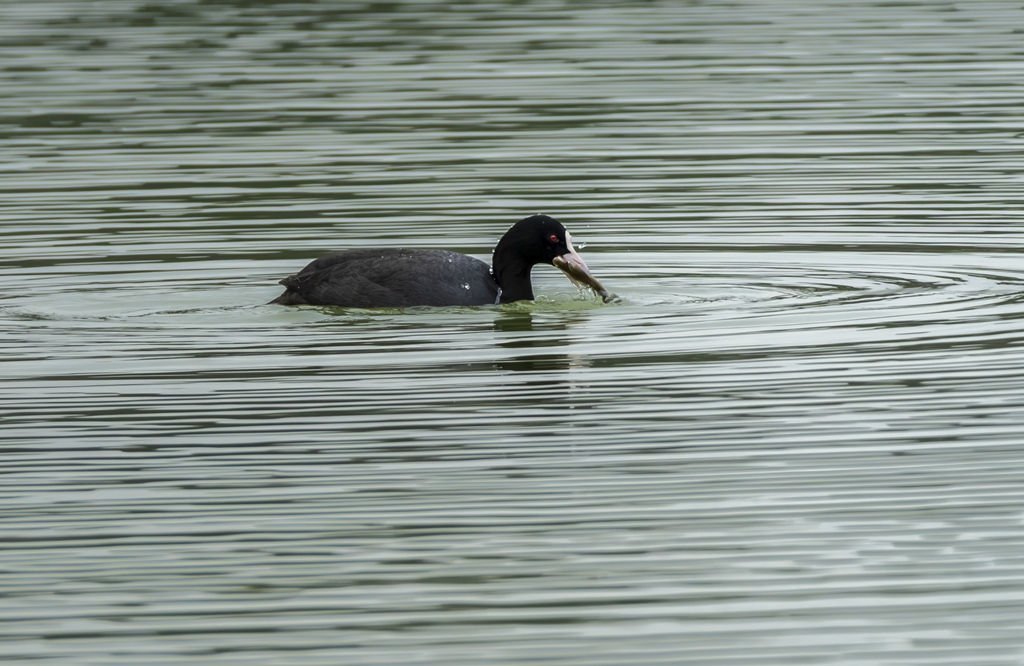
(398, 278)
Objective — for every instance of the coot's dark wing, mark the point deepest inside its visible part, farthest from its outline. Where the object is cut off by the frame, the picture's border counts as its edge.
(393, 278)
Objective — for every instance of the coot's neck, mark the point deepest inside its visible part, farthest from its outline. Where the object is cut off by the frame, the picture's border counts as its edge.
(512, 271)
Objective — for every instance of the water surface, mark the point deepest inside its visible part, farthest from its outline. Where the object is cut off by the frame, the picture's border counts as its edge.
(797, 440)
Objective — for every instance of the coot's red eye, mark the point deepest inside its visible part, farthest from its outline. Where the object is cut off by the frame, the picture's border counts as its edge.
(553, 238)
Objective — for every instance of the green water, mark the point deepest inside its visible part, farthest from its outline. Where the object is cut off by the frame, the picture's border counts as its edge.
(798, 439)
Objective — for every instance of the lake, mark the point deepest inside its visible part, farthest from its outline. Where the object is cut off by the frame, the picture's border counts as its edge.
(799, 438)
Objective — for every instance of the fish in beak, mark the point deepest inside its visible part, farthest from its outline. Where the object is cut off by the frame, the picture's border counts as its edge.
(576, 270)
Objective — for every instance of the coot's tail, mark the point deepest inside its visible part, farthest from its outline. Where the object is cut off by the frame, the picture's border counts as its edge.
(289, 297)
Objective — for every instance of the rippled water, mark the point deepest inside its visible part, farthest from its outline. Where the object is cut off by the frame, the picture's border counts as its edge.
(799, 439)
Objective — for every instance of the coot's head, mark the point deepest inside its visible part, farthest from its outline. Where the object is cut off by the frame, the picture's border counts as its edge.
(538, 239)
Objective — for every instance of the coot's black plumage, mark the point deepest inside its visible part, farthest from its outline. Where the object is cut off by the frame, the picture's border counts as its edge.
(399, 278)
